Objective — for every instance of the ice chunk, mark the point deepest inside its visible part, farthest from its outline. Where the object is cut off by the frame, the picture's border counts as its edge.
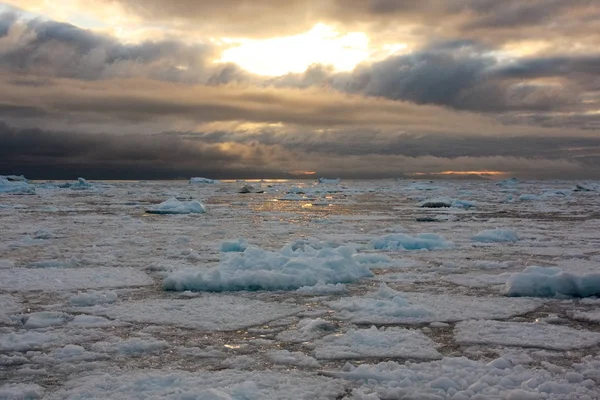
(537, 281)
(25, 341)
(523, 334)
(400, 241)
(26, 279)
(373, 342)
(44, 319)
(238, 245)
(258, 269)
(307, 329)
(212, 312)
(203, 180)
(372, 258)
(8, 186)
(329, 181)
(92, 298)
(81, 184)
(496, 235)
(321, 289)
(174, 206)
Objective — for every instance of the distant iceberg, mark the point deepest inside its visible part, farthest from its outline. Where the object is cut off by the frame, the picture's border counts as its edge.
(203, 180)
(174, 206)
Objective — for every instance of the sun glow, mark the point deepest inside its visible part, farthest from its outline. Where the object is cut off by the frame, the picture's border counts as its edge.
(278, 56)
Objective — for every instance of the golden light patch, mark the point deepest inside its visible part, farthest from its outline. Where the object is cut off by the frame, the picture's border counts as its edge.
(278, 56)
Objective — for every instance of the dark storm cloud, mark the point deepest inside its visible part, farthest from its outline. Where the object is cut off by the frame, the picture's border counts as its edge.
(456, 74)
(45, 154)
(66, 155)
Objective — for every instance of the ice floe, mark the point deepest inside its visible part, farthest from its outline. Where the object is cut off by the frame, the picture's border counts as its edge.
(496, 235)
(401, 241)
(52, 279)
(174, 206)
(213, 312)
(203, 180)
(464, 379)
(524, 334)
(377, 343)
(388, 306)
(537, 281)
(219, 385)
(258, 269)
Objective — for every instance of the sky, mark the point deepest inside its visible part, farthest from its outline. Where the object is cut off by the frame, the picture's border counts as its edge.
(227, 89)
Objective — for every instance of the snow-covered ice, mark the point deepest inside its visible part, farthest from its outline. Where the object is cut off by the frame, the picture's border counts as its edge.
(387, 306)
(401, 241)
(214, 312)
(174, 206)
(258, 269)
(524, 334)
(537, 281)
(84, 312)
(377, 343)
(496, 235)
(53, 279)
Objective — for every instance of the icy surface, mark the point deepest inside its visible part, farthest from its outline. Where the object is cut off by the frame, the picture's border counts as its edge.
(83, 311)
(258, 269)
(373, 342)
(174, 206)
(496, 235)
(400, 241)
(388, 306)
(524, 334)
(203, 180)
(549, 282)
(461, 378)
(24, 279)
(221, 385)
(221, 313)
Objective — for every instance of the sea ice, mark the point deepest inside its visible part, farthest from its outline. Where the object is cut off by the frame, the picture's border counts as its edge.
(15, 187)
(203, 385)
(496, 235)
(212, 312)
(298, 359)
(91, 298)
(400, 241)
(258, 269)
(306, 330)
(203, 180)
(388, 306)
(131, 347)
(174, 206)
(26, 279)
(370, 343)
(445, 202)
(537, 281)
(8, 305)
(524, 334)
(21, 391)
(464, 379)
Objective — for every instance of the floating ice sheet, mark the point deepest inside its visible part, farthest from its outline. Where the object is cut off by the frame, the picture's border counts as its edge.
(524, 334)
(373, 342)
(221, 385)
(213, 312)
(388, 306)
(52, 279)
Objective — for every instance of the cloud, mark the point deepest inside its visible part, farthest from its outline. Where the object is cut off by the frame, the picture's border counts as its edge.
(65, 155)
